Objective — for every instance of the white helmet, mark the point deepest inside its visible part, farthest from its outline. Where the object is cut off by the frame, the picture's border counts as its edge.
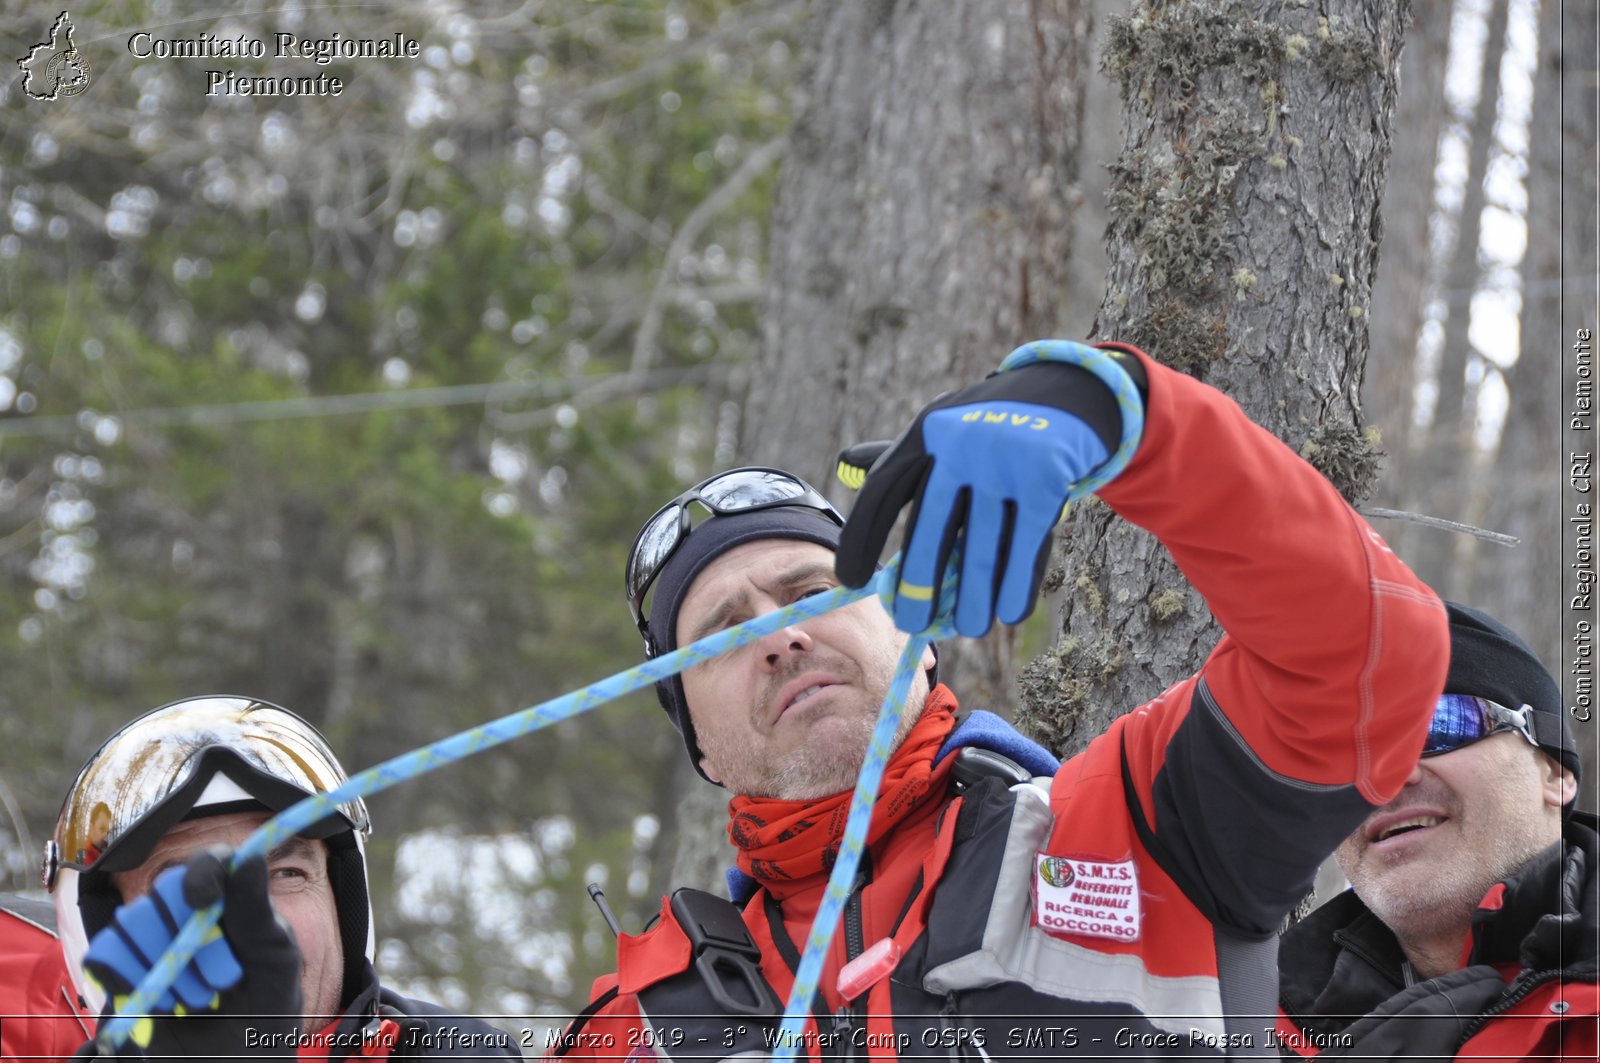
(201, 756)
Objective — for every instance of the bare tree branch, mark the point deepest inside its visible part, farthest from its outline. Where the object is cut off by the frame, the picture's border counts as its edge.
(1439, 522)
(753, 166)
(613, 387)
(772, 20)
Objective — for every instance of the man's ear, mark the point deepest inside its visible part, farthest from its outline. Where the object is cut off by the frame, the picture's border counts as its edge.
(929, 658)
(707, 770)
(1557, 781)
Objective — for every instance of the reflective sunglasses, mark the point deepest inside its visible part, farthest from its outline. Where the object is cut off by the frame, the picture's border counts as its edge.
(1462, 719)
(737, 491)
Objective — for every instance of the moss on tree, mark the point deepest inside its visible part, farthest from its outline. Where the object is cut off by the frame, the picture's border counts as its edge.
(1346, 55)
(1346, 455)
(1164, 605)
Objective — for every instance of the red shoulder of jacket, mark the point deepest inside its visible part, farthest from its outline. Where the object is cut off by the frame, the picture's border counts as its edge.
(660, 952)
(42, 1022)
(611, 1026)
(22, 937)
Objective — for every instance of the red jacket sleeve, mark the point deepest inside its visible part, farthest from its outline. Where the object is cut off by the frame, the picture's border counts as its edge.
(1335, 651)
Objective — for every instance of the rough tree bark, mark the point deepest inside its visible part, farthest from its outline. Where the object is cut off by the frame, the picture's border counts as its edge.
(1524, 586)
(1243, 242)
(920, 233)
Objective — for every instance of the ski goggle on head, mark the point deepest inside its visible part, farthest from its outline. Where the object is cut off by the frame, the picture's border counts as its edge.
(738, 491)
(1462, 719)
(203, 756)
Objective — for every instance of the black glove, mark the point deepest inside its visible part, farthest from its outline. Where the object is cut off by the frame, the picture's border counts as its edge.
(238, 996)
(994, 461)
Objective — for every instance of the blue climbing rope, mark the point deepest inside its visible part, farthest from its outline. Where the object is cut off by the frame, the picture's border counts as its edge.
(841, 880)
(1130, 404)
(114, 1032)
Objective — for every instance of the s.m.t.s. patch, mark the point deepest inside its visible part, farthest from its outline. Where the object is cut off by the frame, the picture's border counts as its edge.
(1086, 896)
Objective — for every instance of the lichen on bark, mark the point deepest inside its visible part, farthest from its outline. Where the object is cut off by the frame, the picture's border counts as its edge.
(1241, 245)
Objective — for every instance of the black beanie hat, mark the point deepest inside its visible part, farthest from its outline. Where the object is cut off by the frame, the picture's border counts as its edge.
(709, 540)
(1487, 659)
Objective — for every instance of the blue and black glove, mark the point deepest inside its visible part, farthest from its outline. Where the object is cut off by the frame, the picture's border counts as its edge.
(239, 995)
(993, 464)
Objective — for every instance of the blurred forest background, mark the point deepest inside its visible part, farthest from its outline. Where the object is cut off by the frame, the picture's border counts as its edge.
(354, 404)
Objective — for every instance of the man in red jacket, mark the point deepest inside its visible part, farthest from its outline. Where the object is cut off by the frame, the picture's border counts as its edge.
(138, 847)
(1126, 906)
(1472, 924)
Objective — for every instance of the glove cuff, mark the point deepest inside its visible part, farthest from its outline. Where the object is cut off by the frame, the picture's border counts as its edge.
(1111, 366)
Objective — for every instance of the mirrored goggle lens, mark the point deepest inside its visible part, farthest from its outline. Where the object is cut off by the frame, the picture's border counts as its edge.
(142, 765)
(730, 492)
(744, 490)
(655, 544)
(1461, 719)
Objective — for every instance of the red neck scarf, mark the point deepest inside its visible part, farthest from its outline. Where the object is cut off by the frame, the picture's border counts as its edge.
(784, 843)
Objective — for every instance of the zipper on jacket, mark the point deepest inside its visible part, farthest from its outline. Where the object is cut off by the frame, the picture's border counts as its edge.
(1525, 984)
(958, 1045)
(844, 1020)
(965, 1043)
(947, 1015)
(843, 1033)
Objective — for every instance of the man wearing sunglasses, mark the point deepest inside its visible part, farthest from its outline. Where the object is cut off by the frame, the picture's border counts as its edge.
(136, 851)
(1126, 907)
(1471, 926)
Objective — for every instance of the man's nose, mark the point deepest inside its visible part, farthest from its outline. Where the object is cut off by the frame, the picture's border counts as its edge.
(1417, 771)
(783, 642)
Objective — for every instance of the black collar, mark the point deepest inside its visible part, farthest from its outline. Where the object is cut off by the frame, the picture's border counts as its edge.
(1341, 961)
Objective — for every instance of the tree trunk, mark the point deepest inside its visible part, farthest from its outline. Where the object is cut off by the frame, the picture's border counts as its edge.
(1524, 587)
(1446, 471)
(921, 224)
(1451, 418)
(1242, 247)
(1101, 140)
(1400, 296)
(921, 231)
(1520, 584)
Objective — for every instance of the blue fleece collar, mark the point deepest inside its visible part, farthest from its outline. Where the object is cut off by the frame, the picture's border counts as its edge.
(985, 730)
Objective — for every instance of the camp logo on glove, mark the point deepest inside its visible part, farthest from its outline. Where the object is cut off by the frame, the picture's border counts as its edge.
(122, 954)
(1008, 415)
(990, 467)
